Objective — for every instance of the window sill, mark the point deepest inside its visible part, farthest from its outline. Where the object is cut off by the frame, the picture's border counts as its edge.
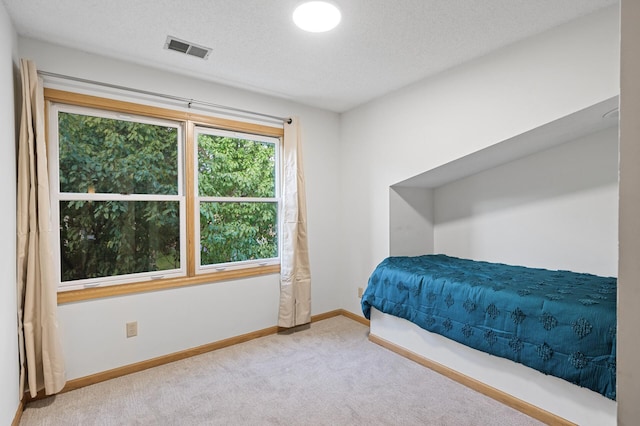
(154, 285)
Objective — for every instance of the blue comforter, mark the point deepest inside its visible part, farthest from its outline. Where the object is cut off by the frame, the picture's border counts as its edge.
(559, 322)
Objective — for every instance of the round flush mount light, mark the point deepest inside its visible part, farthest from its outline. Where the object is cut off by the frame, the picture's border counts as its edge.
(316, 16)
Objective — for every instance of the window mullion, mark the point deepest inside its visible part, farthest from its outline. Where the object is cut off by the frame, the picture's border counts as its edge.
(79, 196)
(191, 193)
(237, 200)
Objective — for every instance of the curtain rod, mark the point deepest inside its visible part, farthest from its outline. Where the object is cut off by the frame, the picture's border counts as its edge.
(188, 101)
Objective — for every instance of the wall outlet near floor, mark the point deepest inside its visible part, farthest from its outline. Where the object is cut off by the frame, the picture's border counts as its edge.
(360, 291)
(132, 329)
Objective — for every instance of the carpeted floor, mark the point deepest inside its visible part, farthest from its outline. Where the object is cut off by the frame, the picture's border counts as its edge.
(329, 374)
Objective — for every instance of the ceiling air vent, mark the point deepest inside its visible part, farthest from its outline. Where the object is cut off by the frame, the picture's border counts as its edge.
(189, 48)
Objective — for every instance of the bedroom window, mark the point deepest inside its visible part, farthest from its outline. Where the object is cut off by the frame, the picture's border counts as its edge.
(237, 199)
(119, 197)
(147, 198)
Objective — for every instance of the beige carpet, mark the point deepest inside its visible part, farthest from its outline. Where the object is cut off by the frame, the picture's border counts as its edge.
(329, 374)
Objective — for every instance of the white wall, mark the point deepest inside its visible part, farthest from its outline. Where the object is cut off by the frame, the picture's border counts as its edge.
(468, 108)
(9, 398)
(172, 320)
(410, 221)
(556, 209)
(629, 273)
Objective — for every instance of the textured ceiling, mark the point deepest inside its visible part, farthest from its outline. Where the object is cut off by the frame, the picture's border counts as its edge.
(379, 46)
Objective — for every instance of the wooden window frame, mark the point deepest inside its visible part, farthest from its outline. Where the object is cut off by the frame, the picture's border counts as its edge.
(190, 120)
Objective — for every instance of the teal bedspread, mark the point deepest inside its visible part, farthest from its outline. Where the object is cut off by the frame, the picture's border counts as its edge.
(558, 322)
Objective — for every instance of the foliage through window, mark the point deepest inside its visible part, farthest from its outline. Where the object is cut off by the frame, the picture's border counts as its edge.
(237, 197)
(122, 197)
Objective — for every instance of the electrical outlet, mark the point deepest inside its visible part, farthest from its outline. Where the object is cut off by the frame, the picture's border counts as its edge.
(132, 329)
(360, 291)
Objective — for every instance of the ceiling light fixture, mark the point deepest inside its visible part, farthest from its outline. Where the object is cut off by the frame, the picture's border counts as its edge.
(316, 16)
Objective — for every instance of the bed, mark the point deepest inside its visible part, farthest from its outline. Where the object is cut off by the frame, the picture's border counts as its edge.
(560, 323)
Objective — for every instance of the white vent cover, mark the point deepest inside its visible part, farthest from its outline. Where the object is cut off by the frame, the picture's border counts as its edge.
(187, 47)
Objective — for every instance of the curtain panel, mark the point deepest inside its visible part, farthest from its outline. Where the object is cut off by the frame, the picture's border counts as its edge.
(41, 360)
(295, 274)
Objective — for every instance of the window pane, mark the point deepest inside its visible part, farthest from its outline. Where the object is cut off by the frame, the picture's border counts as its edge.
(105, 155)
(232, 167)
(107, 238)
(233, 232)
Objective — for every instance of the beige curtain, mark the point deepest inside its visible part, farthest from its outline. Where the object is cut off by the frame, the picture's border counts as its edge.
(41, 361)
(295, 281)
